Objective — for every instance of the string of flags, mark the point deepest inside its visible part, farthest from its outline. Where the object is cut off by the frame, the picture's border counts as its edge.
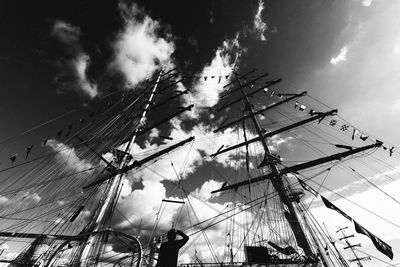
(379, 244)
(342, 126)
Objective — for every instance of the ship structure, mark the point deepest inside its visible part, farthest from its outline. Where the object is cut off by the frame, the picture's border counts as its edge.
(272, 152)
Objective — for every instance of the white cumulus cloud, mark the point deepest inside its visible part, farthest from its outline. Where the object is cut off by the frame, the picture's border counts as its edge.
(341, 57)
(78, 62)
(259, 25)
(139, 50)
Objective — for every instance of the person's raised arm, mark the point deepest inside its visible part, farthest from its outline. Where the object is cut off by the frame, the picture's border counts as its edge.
(185, 238)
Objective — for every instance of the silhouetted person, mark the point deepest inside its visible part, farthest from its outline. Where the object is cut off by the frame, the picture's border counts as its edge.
(168, 254)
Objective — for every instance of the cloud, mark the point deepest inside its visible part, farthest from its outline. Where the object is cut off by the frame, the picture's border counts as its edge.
(204, 192)
(66, 33)
(341, 57)
(139, 50)
(81, 64)
(21, 200)
(259, 25)
(73, 68)
(67, 156)
(367, 3)
(206, 91)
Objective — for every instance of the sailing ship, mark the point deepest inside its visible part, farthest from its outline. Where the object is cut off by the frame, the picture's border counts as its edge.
(61, 195)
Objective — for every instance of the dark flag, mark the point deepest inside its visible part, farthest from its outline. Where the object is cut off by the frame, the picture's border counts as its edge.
(391, 151)
(307, 187)
(330, 205)
(13, 158)
(28, 151)
(378, 243)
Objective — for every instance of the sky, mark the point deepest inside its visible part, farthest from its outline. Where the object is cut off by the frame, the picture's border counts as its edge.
(56, 56)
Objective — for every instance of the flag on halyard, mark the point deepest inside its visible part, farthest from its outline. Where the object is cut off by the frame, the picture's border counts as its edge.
(378, 243)
(330, 205)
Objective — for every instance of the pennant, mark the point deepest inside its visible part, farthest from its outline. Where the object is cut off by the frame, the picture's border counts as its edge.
(13, 157)
(69, 130)
(332, 122)
(330, 205)
(219, 79)
(354, 134)
(28, 151)
(344, 127)
(307, 187)
(391, 151)
(302, 107)
(363, 137)
(378, 243)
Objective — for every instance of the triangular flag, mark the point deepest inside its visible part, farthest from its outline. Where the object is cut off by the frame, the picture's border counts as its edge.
(330, 205)
(354, 134)
(391, 151)
(44, 142)
(28, 151)
(69, 130)
(13, 157)
(378, 243)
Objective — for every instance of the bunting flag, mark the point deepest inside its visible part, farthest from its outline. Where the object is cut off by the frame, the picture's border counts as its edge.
(344, 127)
(363, 137)
(378, 243)
(69, 129)
(330, 205)
(44, 142)
(13, 158)
(354, 134)
(28, 151)
(332, 122)
(307, 187)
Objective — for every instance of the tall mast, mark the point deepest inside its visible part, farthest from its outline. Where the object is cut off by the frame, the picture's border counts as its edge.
(277, 181)
(110, 197)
